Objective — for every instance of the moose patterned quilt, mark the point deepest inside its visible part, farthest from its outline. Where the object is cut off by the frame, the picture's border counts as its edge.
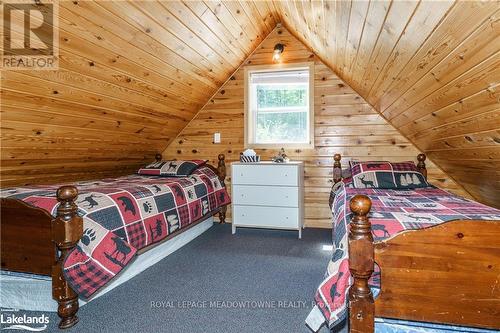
(392, 212)
(123, 215)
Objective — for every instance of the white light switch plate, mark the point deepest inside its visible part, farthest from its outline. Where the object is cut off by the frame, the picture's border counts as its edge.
(217, 137)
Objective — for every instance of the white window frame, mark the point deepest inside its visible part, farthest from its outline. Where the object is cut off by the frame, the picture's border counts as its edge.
(249, 121)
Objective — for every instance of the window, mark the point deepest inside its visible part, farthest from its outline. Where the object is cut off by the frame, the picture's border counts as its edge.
(279, 106)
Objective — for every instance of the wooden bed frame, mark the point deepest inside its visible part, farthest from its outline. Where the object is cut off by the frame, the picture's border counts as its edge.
(33, 241)
(448, 273)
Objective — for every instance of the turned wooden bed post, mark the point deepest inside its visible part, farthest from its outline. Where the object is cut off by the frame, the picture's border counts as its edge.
(361, 261)
(67, 229)
(421, 164)
(337, 168)
(221, 171)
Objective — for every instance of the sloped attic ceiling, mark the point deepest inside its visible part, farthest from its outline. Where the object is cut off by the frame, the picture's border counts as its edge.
(132, 74)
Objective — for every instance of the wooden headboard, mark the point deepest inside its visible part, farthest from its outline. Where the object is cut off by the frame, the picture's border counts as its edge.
(337, 167)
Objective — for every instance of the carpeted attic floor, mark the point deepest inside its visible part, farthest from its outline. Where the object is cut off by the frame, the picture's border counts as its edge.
(215, 270)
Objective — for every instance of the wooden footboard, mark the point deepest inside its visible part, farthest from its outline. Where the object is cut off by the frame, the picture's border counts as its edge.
(448, 273)
(26, 238)
(35, 242)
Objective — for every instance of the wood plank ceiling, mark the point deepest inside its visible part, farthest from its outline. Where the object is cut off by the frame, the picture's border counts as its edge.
(133, 74)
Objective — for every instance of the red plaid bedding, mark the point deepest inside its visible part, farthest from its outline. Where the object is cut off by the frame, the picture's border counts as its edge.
(392, 211)
(123, 215)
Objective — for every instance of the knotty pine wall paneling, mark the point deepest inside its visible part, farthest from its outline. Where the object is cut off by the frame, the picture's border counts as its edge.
(344, 123)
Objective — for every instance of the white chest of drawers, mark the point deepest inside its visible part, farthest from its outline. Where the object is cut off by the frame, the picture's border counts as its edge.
(268, 195)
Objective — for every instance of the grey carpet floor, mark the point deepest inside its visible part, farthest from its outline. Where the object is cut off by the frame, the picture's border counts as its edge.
(200, 283)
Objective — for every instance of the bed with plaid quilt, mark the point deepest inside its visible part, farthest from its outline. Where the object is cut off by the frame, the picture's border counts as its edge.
(124, 215)
(392, 212)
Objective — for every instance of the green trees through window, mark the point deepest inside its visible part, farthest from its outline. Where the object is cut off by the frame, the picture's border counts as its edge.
(272, 96)
(281, 127)
(282, 113)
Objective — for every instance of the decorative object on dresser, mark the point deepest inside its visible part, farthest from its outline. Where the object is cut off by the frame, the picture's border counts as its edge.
(281, 157)
(268, 195)
(249, 155)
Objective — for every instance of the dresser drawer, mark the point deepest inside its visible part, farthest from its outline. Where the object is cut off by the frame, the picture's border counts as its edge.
(265, 195)
(271, 217)
(251, 174)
